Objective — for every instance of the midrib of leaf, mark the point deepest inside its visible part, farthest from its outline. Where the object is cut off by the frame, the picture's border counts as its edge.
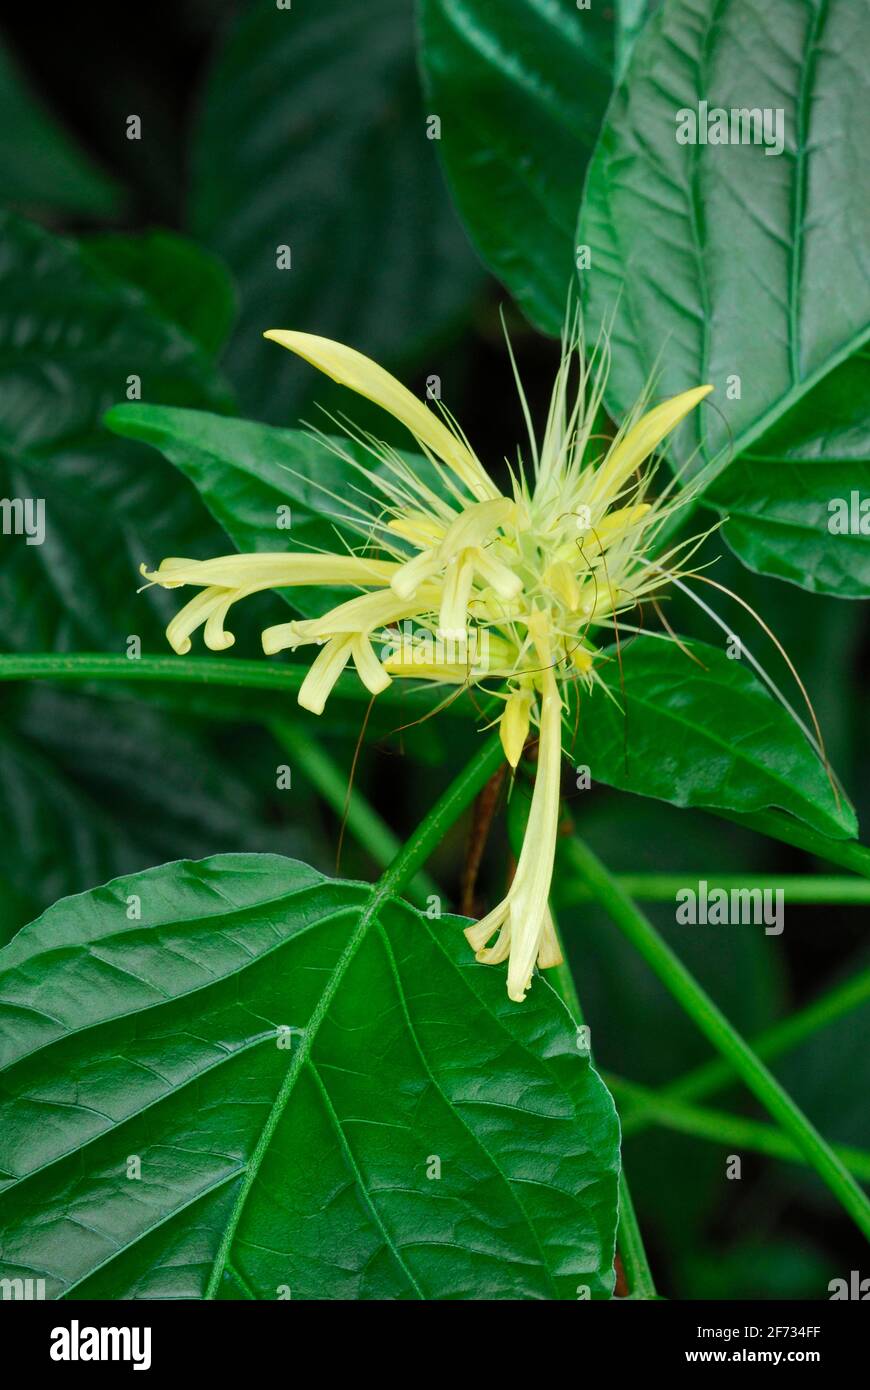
(300, 1059)
(800, 386)
(813, 35)
(360, 1181)
(790, 398)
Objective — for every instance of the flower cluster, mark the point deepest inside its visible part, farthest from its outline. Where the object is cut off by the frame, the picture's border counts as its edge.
(505, 588)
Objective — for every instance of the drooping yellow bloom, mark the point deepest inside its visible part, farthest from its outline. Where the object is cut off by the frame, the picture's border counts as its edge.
(503, 590)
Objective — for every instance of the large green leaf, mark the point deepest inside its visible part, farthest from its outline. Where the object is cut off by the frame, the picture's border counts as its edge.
(89, 789)
(723, 261)
(189, 285)
(312, 136)
(41, 169)
(702, 735)
(70, 337)
(326, 1095)
(778, 495)
(520, 87)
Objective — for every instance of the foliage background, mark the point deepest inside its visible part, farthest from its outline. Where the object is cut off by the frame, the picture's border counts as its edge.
(321, 146)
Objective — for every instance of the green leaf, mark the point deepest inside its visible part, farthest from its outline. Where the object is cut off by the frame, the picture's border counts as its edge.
(304, 1169)
(702, 735)
(312, 136)
(631, 16)
(726, 261)
(520, 88)
(187, 284)
(41, 168)
(249, 474)
(71, 334)
(784, 494)
(70, 338)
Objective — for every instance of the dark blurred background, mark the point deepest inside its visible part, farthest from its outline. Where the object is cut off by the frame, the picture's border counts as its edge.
(243, 149)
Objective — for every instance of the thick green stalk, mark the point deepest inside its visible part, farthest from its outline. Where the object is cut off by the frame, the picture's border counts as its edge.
(193, 670)
(449, 807)
(718, 1072)
(719, 1126)
(724, 1037)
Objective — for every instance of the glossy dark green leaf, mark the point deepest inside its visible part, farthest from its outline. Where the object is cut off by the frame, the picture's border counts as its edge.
(41, 168)
(731, 263)
(793, 500)
(191, 287)
(631, 16)
(322, 1094)
(702, 735)
(76, 775)
(312, 137)
(520, 88)
(269, 488)
(72, 337)
(92, 787)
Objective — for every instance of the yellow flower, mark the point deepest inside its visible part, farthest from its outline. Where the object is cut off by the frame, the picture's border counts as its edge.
(503, 590)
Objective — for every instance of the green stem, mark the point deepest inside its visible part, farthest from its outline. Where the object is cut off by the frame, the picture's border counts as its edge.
(635, 1264)
(638, 1274)
(194, 670)
(710, 1020)
(449, 807)
(796, 888)
(719, 1126)
(362, 821)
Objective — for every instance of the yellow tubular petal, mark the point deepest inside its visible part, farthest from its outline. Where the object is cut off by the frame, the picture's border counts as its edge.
(641, 440)
(475, 524)
(550, 953)
(479, 933)
(500, 950)
(456, 591)
(612, 525)
(283, 637)
(505, 581)
(531, 886)
(272, 570)
(582, 659)
(561, 578)
(408, 578)
(361, 374)
(324, 672)
(215, 636)
(417, 528)
(367, 612)
(192, 616)
(513, 727)
(369, 669)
